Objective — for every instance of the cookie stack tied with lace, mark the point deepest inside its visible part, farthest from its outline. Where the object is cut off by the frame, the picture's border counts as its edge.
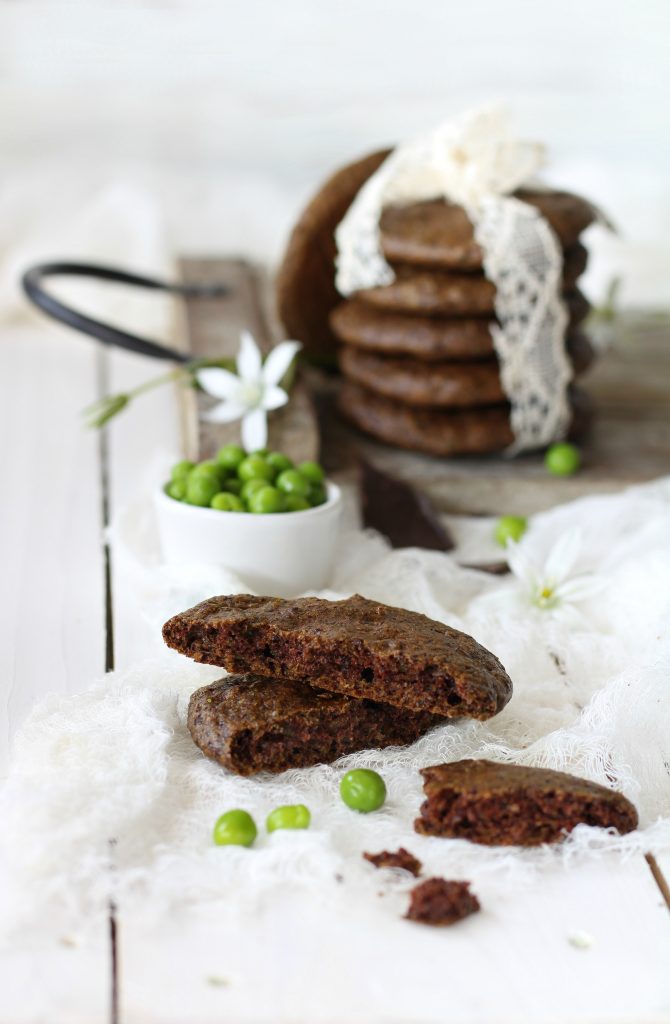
(312, 680)
(417, 355)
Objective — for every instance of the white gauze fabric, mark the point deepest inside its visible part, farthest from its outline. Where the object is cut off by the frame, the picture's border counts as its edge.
(108, 794)
(476, 161)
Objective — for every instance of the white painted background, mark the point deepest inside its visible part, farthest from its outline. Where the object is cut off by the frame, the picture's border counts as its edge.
(228, 113)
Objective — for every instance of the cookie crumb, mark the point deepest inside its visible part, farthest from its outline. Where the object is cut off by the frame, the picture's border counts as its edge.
(401, 859)
(440, 902)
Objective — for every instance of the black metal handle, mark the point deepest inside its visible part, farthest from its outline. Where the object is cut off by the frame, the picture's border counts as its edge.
(108, 335)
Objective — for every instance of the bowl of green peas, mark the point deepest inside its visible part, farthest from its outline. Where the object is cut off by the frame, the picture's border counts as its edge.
(274, 524)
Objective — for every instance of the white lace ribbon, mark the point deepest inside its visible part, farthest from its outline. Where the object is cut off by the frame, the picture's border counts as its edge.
(476, 161)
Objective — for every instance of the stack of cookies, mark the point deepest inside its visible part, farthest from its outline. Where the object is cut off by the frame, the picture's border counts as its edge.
(314, 680)
(417, 355)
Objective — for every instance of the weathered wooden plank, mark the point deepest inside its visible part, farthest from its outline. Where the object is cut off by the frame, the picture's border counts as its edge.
(52, 609)
(213, 328)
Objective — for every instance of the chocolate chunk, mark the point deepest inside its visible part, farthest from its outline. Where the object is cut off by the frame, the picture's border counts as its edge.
(440, 902)
(252, 724)
(403, 514)
(511, 805)
(402, 858)
(358, 647)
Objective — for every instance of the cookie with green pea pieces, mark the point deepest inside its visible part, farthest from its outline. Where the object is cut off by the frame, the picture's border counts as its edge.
(261, 482)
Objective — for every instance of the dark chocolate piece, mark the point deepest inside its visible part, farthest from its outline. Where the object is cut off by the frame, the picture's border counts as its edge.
(355, 646)
(511, 805)
(402, 859)
(252, 724)
(440, 902)
(403, 514)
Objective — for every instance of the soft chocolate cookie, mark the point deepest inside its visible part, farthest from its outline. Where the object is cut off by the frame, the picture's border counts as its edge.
(509, 804)
(439, 234)
(445, 385)
(424, 337)
(476, 431)
(361, 648)
(449, 293)
(305, 282)
(253, 724)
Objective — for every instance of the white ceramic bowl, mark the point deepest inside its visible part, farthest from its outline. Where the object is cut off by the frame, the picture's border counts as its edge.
(278, 554)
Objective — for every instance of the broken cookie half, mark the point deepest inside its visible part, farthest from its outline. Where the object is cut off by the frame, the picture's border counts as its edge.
(510, 805)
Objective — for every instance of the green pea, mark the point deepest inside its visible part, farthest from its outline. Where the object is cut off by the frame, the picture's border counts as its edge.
(235, 828)
(290, 481)
(363, 790)
(562, 459)
(313, 472)
(209, 468)
(250, 487)
(233, 485)
(266, 499)
(510, 528)
(230, 456)
(295, 503)
(200, 489)
(318, 495)
(176, 489)
(263, 452)
(279, 461)
(180, 470)
(288, 816)
(226, 502)
(255, 467)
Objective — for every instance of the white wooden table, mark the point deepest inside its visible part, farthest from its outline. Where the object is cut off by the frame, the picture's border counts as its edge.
(290, 962)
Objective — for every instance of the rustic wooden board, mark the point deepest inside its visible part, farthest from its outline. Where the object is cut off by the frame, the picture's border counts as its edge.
(213, 328)
(629, 442)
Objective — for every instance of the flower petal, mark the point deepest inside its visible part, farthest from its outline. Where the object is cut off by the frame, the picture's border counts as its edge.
(254, 430)
(579, 587)
(225, 412)
(218, 382)
(279, 360)
(520, 562)
(563, 555)
(249, 360)
(273, 398)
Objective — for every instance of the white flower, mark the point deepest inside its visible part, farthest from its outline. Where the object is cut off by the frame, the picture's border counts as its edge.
(554, 582)
(252, 392)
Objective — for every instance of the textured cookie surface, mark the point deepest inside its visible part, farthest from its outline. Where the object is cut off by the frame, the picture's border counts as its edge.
(429, 338)
(358, 647)
(440, 234)
(440, 385)
(448, 293)
(438, 901)
(509, 805)
(446, 432)
(252, 724)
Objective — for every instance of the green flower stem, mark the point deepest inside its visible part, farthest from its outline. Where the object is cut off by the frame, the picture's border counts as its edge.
(101, 412)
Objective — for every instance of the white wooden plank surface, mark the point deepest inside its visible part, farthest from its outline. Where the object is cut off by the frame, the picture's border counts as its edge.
(52, 611)
(512, 963)
(51, 586)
